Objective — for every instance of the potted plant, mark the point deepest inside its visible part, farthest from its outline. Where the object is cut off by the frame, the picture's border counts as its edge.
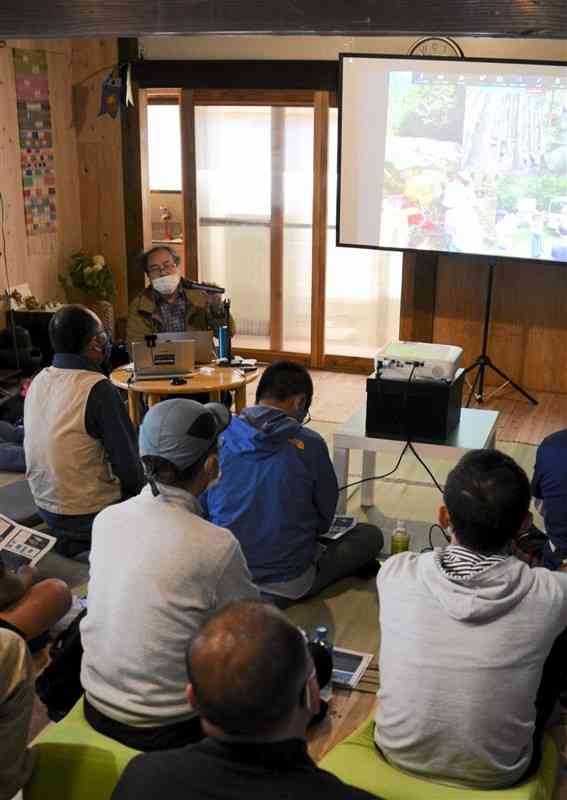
(92, 277)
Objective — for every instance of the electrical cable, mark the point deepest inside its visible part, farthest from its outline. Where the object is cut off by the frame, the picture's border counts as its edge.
(426, 468)
(378, 477)
(8, 287)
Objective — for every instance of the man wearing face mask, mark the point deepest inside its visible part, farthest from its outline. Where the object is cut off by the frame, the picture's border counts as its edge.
(158, 569)
(80, 445)
(169, 304)
(279, 493)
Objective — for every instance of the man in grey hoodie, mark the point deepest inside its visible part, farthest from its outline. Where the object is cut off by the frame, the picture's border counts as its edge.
(470, 659)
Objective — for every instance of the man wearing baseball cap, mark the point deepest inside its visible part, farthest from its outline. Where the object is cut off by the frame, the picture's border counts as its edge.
(157, 570)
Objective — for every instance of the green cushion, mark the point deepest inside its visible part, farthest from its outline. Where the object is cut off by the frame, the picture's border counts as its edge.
(357, 761)
(74, 761)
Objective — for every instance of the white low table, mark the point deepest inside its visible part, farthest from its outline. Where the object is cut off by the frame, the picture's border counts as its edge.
(475, 431)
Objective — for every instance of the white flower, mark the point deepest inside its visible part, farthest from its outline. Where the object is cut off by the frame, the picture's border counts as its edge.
(99, 260)
(96, 267)
(87, 270)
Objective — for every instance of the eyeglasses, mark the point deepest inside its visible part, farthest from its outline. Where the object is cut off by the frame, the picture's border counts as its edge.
(161, 269)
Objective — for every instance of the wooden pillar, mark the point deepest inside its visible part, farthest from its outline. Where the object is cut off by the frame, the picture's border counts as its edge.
(277, 229)
(189, 181)
(132, 177)
(319, 241)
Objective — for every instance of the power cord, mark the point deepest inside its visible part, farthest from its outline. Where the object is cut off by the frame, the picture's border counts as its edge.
(8, 287)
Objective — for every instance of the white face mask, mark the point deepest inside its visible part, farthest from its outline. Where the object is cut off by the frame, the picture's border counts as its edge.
(166, 284)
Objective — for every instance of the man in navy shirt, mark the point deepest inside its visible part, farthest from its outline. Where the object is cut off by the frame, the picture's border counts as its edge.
(80, 446)
(549, 487)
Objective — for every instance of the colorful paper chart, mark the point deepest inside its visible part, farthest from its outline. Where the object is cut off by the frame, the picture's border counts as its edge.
(36, 141)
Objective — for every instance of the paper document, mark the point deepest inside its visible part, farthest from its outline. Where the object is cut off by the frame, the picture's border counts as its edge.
(20, 546)
(339, 526)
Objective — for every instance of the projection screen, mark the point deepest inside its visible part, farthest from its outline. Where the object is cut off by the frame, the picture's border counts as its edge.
(453, 155)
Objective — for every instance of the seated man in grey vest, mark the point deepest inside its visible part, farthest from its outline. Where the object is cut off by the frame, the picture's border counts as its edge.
(472, 649)
(80, 446)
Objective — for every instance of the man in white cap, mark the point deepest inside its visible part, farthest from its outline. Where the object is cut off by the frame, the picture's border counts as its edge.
(157, 569)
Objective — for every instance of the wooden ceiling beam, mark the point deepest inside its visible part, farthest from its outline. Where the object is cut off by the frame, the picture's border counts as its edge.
(93, 18)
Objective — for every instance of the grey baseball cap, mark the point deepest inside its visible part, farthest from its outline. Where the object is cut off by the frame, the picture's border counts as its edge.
(182, 430)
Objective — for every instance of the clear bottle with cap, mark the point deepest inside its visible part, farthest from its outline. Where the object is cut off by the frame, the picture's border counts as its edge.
(400, 538)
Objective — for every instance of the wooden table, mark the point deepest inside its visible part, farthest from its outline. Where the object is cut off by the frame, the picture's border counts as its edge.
(476, 430)
(212, 382)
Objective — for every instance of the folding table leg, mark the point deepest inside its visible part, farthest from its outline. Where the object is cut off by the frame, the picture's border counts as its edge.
(340, 462)
(368, 470)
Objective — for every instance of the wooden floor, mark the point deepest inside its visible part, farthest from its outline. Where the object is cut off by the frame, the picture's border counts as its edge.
(336, 397)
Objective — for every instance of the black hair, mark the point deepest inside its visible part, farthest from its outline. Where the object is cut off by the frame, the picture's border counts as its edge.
(285, 379)
(144, 257)
(247, 665)
(488, 497)
(71, 328)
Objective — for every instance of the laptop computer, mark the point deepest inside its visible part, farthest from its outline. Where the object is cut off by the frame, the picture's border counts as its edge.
(204, 347)
(169, 359)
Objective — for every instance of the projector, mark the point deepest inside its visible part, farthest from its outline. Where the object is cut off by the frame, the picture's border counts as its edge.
(438, 362)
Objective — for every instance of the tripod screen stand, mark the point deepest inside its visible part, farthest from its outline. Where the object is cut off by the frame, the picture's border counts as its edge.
(483, 361)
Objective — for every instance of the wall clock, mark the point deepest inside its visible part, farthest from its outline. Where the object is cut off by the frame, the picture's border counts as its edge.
(436, 46)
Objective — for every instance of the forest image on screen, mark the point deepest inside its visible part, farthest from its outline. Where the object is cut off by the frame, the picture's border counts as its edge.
(476, 163)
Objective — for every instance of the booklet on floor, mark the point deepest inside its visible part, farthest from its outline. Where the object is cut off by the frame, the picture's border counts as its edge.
(339, 526)
(21, 546)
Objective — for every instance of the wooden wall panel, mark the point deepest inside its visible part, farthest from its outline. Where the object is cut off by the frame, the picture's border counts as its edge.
(100, 174)
(528, 334)
(418, 297)
(38, 260)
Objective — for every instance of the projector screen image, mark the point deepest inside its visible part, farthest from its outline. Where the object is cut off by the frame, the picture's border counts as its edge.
(453, 155)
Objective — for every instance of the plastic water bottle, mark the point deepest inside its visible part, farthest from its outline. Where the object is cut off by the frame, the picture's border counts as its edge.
(400, 538)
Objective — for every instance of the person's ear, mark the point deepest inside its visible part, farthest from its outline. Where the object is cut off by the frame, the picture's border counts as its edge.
(190, 695)
(299, 404)
(212, 466)
(444, 518)
(312, 696)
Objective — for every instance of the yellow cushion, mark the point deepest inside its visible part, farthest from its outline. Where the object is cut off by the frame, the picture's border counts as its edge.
(74, 761)
(357, 761)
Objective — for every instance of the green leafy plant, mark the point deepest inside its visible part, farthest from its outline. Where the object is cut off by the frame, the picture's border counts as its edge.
(91, 275)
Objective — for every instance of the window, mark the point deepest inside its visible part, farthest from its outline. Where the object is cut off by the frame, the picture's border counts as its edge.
(254, 213)
(164, 147)
(233, 157)
(254, 193)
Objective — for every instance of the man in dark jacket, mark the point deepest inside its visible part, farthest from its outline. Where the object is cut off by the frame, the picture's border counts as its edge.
(279, 492)
(169, 304)
(253, 683)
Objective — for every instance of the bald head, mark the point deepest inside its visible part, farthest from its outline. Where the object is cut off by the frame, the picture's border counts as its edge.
(72, 328)
(247, 666)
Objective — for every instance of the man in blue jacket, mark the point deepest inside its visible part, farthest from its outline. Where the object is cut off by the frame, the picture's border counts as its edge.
(279, 492)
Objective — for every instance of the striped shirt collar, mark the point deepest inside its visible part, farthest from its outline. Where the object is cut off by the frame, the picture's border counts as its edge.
(459, 563)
